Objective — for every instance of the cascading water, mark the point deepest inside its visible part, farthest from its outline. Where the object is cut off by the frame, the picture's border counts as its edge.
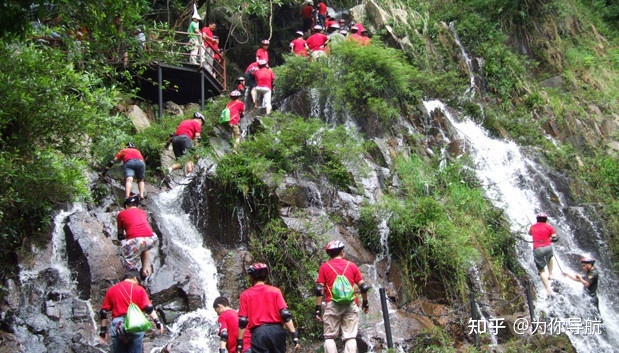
(522, 188)
(183, 241)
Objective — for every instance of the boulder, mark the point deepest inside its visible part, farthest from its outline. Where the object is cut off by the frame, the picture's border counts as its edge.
(172, 108)
(138, 117)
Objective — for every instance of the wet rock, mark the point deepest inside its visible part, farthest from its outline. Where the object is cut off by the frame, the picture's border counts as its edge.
(9, 343)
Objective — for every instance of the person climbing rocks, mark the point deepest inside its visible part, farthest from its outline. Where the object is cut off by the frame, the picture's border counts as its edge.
(263, 52)
(354, 35)
(195, 39)
(209, 42)
(316, 44)
(333, 32)
(136, 237)
(364, 39)
(182, 140)
(237, 111)
(240, 85)
(250, 81)
(339, 317)
(307, 16)
(117, 300)
(589, 280)
(265, 81)
(264, 312)
(543, 236)
(297, 45)
(133, 166)
(321, 9)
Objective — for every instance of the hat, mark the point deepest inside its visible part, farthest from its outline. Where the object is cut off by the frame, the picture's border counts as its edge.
(317, 27)
(196, 15)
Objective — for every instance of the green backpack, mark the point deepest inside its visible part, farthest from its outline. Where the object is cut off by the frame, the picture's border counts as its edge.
(225, 116)
(342, 291)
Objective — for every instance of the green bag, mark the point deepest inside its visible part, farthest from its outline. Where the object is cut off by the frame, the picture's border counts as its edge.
(135, 320)
(342, 291)
(225, 116)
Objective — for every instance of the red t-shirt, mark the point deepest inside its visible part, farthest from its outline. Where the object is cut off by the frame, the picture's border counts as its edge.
(541, 233)
(188, 128)
(262, 54)
(264, 77)
(356, 37)
(120, 295)
(129, 153)
(240, 87)
(236, 108)
(306, 11)
(298, 47)
(317, 41)
(261, 304)
(134, 222)
(326, 275)
(207, 31)
(229, 320)
(251, 66)
(322, 8)
(328, 23)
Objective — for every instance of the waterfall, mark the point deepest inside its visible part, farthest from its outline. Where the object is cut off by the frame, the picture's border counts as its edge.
(522, 187)
(183, 242)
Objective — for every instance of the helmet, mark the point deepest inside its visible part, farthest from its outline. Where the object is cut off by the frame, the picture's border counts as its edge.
(198, 115)
(541, 217)
(317, 27)
(235, 94)
(587, 260)
(334, 25)
(262, 62)
(354, 29)
(265, 42)
(132, 200)
(344, 32)
(258, 270)
(334, 245)
(342, 20)
(241, 78)
(298, 33)
(130, 145)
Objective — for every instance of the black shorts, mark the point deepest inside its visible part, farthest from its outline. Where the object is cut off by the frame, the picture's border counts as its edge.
(270, 338)
(181, 144)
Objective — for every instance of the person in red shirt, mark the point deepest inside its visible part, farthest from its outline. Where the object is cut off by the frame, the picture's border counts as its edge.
(133, 166)
(329, 21)
(354, 35)
(321, 8)
(228, 321)
(240, 84)
(217, 69)
(208, 42)
(543, 236)
(182, 141)
(316, 44)
(117, 300)
(136, 236)
(237, 111)
(264, 312)
(263, 52)
(339, 317)
(265, 79)
(307, 16)
(297, 46)
(363, 38)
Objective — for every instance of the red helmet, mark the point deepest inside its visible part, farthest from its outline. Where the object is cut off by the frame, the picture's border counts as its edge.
(258, 270)
(265, 42)
(587, 260)
(334, 245)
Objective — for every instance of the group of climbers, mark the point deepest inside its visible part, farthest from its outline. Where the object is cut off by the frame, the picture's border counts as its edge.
(263, 317)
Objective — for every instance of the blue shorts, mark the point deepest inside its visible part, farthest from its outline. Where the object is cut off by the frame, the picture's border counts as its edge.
(134, 168)
(180, 144)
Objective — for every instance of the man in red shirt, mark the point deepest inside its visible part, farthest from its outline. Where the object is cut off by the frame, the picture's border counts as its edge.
(543, 236)
(209, 41)
(182, 141)
(316, 44)
(237, 111)
(136, 236)
(297, 46)
(321, 7)
(117, 300)
(228, 320)
(133, 165)
(265, 79)
(240, 84)
(250, 79)
(264, 312)
(355, 36)
(263, 52)
(338, 316)
(307, 16)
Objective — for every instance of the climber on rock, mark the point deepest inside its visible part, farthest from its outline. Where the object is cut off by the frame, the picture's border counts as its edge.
(133, 166)
(543, 236)
(182, 141)
(136, 236)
